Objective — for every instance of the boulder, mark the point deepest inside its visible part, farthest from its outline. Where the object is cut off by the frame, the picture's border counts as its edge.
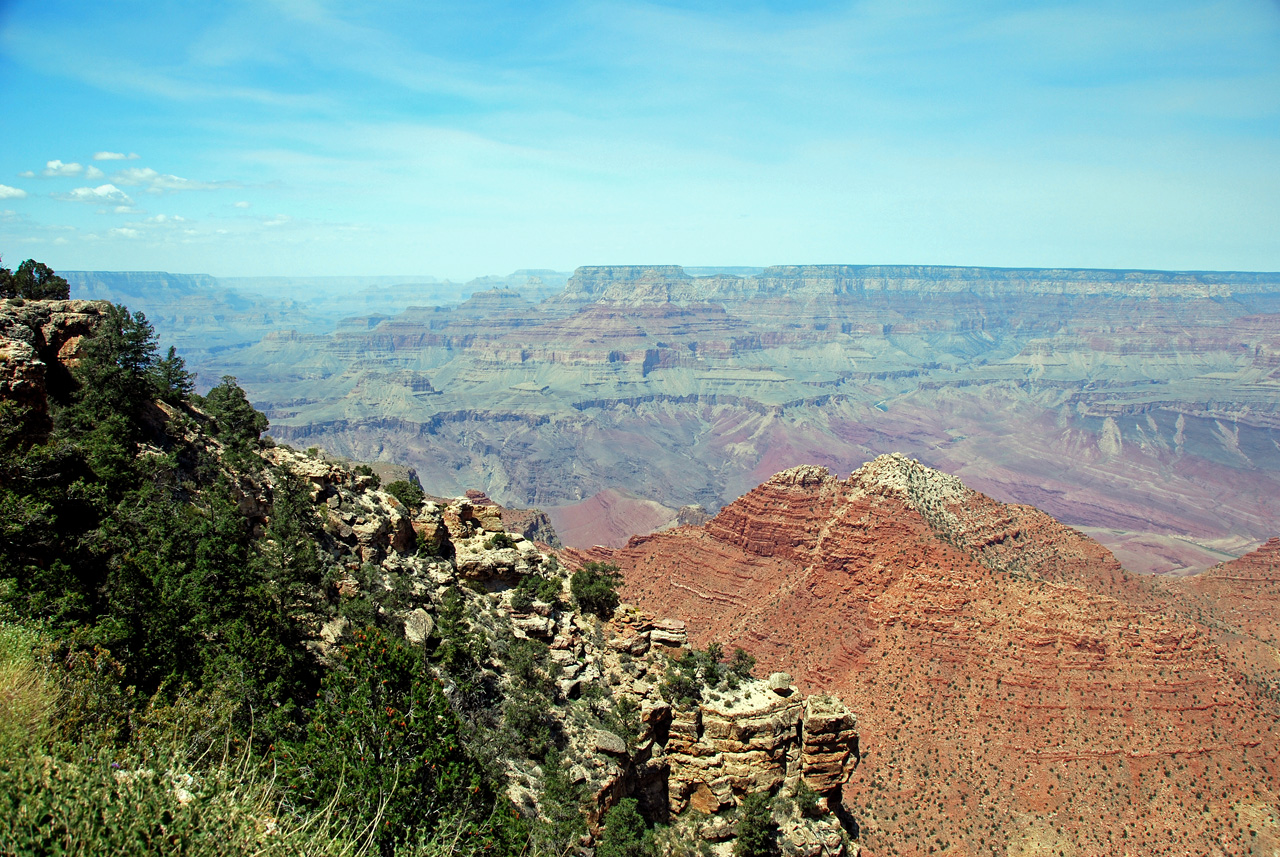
(418, 626)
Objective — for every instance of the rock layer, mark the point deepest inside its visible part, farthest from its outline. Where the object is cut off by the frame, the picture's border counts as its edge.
(1133, 401)
(1015, 684)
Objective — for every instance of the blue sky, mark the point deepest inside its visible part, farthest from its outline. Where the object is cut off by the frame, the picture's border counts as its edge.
(309, 137)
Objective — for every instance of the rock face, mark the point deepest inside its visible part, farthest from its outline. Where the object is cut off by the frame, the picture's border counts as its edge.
(758, 740)
(1016, 685)
(533, 524)
(39, 341)
(693, 763)
(1133, 401)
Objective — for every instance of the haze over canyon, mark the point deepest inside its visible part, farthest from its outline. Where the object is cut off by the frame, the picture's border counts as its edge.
(1141, 406)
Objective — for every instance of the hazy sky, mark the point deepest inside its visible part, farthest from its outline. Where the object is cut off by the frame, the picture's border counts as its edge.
(309, 137)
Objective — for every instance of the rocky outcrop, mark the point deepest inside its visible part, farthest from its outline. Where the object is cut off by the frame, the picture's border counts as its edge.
(533, 524)
(763, 736)
(690, 765)
(39, 343)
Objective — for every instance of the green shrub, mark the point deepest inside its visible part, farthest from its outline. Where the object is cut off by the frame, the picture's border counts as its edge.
(625, 834)
(535, 587)
(595, 588)
(521, 600)
(236, 423)
(383, 746)
(739, 668)
(408, 493)
(499, 541)
(756, 834)
(366, 470)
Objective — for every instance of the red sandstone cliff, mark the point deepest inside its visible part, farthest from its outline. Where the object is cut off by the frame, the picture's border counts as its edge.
(1019, 692)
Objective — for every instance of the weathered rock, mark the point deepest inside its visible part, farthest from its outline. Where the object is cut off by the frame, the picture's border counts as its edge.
(669, 632)
(750, 741)
(418, 626)
(607, 742)
(637, 644)
(961, 621)
(40, 342)
(780, 683)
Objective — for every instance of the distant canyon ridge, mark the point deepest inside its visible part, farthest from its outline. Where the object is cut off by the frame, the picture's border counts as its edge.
(1141, 406)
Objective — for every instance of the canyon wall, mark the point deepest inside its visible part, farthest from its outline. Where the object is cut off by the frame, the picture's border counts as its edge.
(1143, 405)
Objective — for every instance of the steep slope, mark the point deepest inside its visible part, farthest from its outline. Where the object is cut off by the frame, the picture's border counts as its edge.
(1238, 602)
(1019, 692)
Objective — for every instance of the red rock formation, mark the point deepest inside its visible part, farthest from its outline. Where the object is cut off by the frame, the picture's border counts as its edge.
(1246, 591)
(1018, 691)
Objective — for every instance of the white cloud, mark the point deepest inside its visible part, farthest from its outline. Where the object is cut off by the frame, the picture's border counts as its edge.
(58, 168)
(108, 193)
(124, 232)
(278, 220)
(115, 156)
(7, 192)
(127, 209)
(26, 174)
(167, 218)
(93, 173)
(156, 182)
(242, 204)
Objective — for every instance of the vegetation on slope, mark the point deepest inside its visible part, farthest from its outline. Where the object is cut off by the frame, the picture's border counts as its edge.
(209, 644)
(156, 693)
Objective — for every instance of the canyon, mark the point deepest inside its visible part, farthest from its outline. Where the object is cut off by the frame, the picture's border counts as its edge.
(1017, 689)
(1141, 406)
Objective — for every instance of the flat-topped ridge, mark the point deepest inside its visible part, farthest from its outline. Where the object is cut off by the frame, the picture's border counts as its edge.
(645, 283)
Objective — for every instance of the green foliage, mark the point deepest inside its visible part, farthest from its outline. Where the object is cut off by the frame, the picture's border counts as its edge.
(806, 800)
(695, 671)
(170, 631)
(26, 701)
(383, 746)
(561, 803)
(33, 281)
(530, 697)
(85, 805)
(408, 493)
(499, 541)
(521, 600)
(460, 652)
(625, 834)
(624, 719)
(366, 470)
(756, 834)
(739, 668)
(173, 382)
(595, 588)
(236, 423)
(535, 587)
(113, 386)
(680, 684)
